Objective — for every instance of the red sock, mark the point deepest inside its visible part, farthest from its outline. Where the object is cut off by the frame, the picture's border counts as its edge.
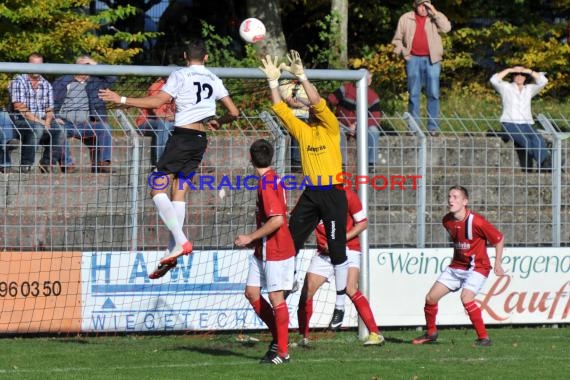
(430, 312)
(264, 310)
(282, 322)
(475, 316)
(304, 314)
(363, 308)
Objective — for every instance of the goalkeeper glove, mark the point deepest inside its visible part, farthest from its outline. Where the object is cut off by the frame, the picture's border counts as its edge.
(295, 65)
(271, 71)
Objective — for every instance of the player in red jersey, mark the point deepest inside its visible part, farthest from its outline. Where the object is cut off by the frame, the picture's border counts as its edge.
(321, 270)
(469, 267)
(272, 264)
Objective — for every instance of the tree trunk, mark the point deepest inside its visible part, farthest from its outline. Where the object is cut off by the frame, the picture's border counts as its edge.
(268, 11)
(339, 34)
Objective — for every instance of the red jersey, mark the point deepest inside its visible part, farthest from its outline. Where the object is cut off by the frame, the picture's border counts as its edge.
(356, 214)
(271, 202)
(470, 237)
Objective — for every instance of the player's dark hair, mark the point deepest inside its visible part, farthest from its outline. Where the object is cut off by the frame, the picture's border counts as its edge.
(460, 188)
(196, 49)
(261, 152)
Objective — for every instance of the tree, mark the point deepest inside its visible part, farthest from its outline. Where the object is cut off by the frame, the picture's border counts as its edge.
(268, 11)
(339, 28)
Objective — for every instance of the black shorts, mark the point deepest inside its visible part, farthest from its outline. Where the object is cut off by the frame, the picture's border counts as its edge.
(183, 152)
(328, 205)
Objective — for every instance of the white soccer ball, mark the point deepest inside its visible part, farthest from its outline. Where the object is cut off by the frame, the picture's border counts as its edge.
(252, 30)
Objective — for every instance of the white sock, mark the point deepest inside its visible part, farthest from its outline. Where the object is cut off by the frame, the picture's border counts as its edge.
(169, 217)
(339, 302)
(340, 279)
(180, 208)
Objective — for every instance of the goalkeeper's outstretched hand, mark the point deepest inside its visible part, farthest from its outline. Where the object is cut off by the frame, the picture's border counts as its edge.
(271, 70)
(295, 65)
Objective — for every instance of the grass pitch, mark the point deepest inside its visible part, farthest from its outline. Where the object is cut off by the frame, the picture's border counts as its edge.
(517, 353)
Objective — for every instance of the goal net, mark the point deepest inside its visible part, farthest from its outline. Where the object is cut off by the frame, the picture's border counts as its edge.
(77, 247)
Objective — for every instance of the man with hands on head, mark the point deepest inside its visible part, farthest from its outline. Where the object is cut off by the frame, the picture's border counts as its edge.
(417, 39)
(321, 162)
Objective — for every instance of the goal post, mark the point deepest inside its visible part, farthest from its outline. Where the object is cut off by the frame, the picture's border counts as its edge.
(77, 247)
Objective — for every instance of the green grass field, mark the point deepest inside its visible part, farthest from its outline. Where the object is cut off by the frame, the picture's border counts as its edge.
(517, 353)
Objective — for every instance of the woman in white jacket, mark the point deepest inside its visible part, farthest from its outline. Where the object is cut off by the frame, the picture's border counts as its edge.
(516, 118)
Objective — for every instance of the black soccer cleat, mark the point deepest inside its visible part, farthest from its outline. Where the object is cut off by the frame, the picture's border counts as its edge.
(276, 359)
(336, 320)
(484, 342)
(271, 351)
(425, 339)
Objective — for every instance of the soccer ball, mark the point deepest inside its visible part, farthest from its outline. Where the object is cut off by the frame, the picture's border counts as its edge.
(252, 30)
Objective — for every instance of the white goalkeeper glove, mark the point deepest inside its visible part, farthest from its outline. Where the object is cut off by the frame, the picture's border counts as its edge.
(271, 70)
(295, 65)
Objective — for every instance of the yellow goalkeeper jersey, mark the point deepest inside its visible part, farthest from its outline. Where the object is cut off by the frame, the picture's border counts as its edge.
(319, 142)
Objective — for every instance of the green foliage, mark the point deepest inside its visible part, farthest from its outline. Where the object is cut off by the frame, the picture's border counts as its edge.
(61, 30)
(389, 75)
(250, 94)
(476, 54)
(472, 56)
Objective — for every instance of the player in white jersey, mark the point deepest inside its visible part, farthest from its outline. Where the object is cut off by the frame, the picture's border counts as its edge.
(195, 90)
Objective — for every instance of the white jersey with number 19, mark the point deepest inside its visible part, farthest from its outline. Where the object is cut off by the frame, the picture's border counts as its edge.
(195, 90)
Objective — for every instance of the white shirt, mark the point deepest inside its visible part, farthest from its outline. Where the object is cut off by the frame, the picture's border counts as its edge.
(516, 103)
(195, 90)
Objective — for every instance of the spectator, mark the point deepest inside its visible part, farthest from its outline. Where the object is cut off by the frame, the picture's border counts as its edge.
(6, 141)
(344, 102)
(157, 123)
(84, 115)
(516, 118)
(418, 41)
(296, 98)
(31, 96)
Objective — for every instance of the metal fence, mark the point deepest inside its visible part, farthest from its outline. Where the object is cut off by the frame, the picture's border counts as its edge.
(406, 198)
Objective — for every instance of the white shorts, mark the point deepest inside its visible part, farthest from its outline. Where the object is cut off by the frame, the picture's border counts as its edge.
(321, 264)
(271, 275)
(455, 279)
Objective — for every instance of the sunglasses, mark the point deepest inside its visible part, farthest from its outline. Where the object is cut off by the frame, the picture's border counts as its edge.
(523, 74)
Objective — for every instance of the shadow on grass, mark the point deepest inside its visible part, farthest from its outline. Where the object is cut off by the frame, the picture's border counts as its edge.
(220, 352)
(405, 341)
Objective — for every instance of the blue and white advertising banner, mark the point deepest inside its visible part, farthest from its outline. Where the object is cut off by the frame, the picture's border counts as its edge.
(535, 288)
(204, 292)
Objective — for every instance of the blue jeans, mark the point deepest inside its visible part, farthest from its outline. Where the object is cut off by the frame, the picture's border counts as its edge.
(33, 134)
(528, 138)
(159, 130)
(6, 134)
(373, 142)
(96, 135)
(422, 73)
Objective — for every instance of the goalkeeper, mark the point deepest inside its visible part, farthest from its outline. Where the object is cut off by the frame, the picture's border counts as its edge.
(321, 162)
